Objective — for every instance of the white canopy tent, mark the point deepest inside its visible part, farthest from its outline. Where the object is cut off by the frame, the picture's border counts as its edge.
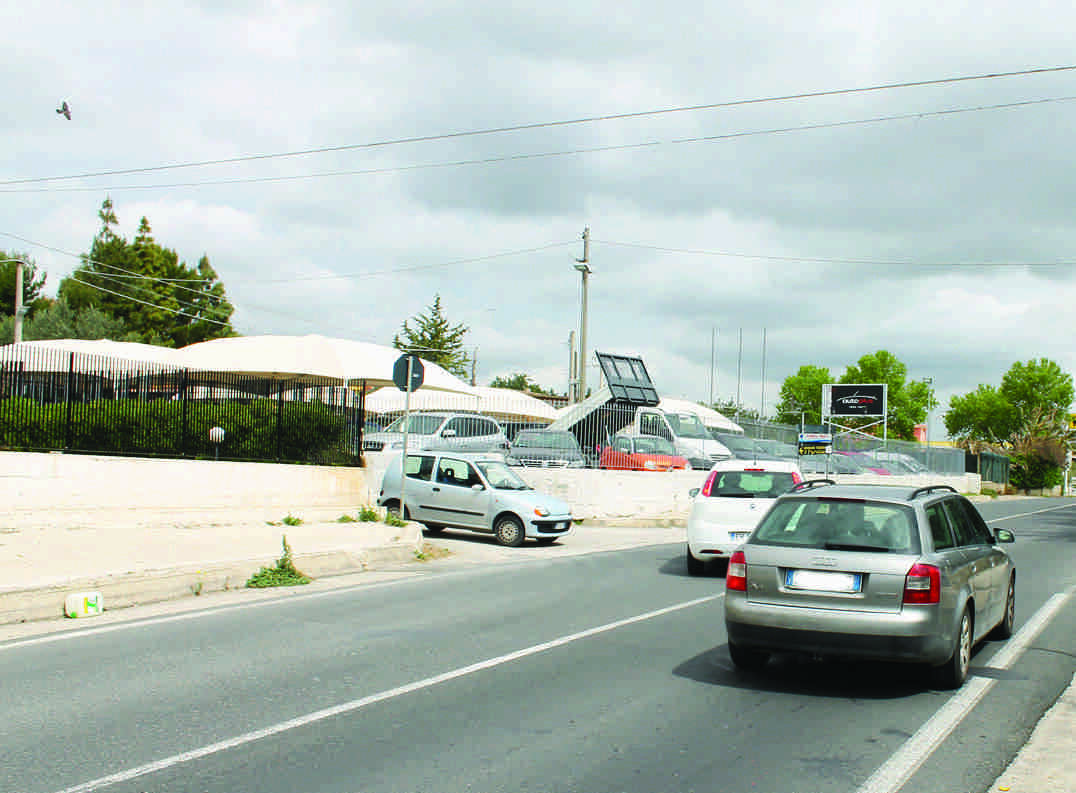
(53, 354)
(501, 403)
(323, 359)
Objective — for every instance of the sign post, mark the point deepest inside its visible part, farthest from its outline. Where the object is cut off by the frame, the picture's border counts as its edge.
(408, 374)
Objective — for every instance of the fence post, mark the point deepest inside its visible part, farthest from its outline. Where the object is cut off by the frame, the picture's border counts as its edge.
(67, 400)
(279, 417)
(183, 432)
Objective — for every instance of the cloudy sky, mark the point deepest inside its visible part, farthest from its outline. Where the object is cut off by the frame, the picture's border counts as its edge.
(944, 237)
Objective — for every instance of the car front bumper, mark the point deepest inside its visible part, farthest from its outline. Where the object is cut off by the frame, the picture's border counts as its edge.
(914, 634)
(552, 526)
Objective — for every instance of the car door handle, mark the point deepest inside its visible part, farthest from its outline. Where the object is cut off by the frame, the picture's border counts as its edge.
(437, 490)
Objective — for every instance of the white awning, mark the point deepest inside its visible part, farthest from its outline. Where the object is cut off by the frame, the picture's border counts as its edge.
(501, 403)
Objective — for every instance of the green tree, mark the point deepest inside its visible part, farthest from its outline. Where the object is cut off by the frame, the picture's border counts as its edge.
(158, 298)
(907, 402)
(520, 382)
(32, 284)
(982, 416)
(435, 339)
(801, 395)
(730, 409)
(60, 321)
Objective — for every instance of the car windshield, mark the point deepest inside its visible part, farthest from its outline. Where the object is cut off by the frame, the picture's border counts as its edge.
(839, 525)
(688, 425)
(752, 484)
(653, 445)
(546, 440)
(500, 476)
(417, 423)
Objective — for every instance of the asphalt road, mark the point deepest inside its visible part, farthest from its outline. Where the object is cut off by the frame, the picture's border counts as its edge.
(600, 672)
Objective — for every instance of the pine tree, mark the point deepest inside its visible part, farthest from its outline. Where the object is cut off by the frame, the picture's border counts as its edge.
(434, 339)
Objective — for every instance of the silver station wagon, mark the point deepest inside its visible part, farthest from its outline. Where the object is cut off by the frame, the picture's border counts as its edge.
(870, 572)
(473, 491)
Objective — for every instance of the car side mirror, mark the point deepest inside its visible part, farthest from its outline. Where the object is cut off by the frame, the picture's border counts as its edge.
(693, 492)
(477, 488)
(1004, 535)
(448, 434)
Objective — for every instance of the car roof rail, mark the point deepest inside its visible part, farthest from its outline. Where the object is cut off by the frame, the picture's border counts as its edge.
(810, 484)
(922, 491)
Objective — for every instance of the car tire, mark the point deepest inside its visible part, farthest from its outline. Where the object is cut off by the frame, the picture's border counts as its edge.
(953, 673)
(432, 528)
(1004, 629)
(509, 531)
(746, 659)
(695, 566)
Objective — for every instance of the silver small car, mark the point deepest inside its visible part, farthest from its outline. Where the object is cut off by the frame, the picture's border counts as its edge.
(473, 491)
(871, 572)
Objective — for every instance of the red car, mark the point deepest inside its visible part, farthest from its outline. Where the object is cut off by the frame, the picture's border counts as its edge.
(641, 453)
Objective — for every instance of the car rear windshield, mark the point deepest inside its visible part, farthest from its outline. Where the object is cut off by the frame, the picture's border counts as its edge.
(755, 484)
(840, 525)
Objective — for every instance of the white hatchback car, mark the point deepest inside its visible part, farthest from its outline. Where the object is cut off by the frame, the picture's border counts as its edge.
(727, 508)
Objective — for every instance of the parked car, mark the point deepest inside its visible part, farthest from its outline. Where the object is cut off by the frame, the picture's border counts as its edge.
(826, 464)
(868, 572)
(742, 447)
(779, 449)
(906, 462)
(867, 462)
(473, 491)
(545, 449)
(641, 453)
(427, 431)
(735, 496)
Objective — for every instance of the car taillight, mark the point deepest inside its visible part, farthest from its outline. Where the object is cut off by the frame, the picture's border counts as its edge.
(922, 585)
(796, 478)
(736, 577)
(755, 470)
(709, 483)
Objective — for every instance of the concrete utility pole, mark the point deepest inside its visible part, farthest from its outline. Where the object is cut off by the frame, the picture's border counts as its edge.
(573, 385)
(581, 362)
(20, 309)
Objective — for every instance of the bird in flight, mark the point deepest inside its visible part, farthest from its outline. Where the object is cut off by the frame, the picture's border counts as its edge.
(64, 111)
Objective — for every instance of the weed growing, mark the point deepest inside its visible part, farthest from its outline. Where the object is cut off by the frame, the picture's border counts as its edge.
(283, 574)
(368, 514)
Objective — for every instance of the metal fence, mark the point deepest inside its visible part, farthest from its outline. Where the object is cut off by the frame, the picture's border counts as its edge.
(53, 400)
(939, 459)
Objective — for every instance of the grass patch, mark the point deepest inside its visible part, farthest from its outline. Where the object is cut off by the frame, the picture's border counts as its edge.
(346, 519)
(394, 520)
(430, 551)
(291, 520)
(368, 514)
(283, 573)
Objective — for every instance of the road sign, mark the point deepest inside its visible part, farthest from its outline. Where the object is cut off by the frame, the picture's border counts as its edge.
(815, 443)
(399, 372)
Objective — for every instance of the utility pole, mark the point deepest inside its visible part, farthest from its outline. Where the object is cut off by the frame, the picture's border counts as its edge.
(583, 267)
(762, 406)
(573, 383)
(474, 361)
(18, 300)
(713, 345)
(20, 309)
(739, 373)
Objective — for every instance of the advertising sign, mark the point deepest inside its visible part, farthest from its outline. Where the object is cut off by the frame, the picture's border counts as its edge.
(858, 399)
(815, 443)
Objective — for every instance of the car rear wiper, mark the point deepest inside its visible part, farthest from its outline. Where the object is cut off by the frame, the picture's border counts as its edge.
(847, 546)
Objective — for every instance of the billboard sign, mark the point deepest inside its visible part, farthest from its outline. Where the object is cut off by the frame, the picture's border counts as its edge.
(856, 399)
(815, 443)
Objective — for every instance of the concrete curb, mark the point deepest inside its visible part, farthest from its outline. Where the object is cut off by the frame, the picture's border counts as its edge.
(154, 586)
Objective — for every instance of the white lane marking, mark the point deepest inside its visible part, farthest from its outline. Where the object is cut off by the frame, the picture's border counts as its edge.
(899, 768)
(356, 704)
(1036, 512)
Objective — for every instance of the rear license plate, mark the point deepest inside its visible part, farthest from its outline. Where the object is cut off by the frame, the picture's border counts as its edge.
(823, 581)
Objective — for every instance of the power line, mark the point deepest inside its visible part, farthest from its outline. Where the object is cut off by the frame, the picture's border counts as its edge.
(145, 303)
(545, 155)
(547, 124)
(823, 260)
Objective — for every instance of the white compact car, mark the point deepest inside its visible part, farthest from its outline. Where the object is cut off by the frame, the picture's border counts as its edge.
(727, 508)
